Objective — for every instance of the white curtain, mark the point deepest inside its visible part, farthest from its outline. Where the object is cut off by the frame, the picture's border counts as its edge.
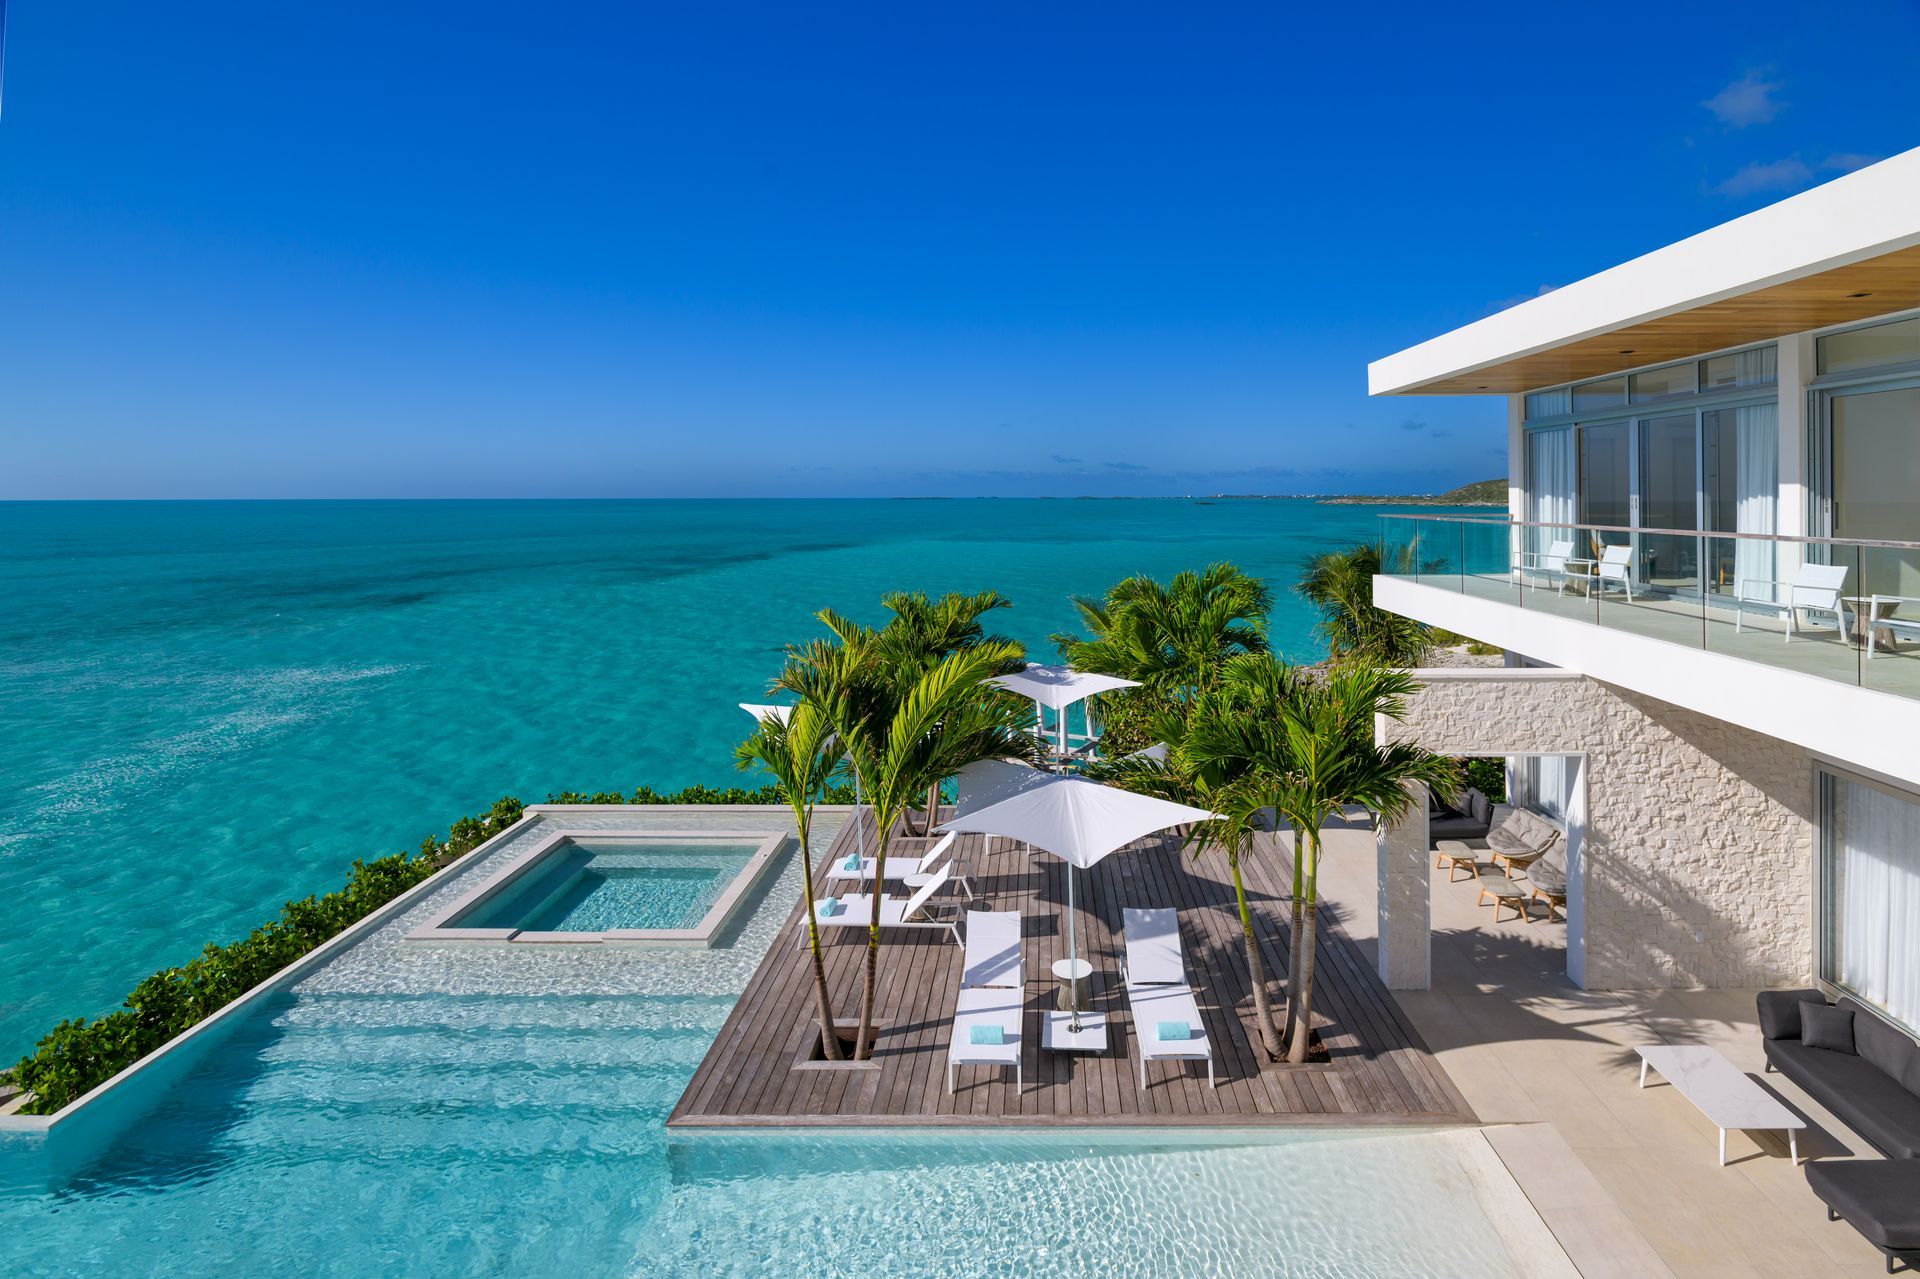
(1876, 897)
(1757, 487)
(1551, 477)
(1756, 367)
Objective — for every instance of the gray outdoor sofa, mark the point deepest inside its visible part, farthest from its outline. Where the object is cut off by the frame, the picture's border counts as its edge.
(1868, 1074)
(1467, 818)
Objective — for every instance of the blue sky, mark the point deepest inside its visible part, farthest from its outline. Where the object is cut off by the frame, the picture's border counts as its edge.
(263, 250)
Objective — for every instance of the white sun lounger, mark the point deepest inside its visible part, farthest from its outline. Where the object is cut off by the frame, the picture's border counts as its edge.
(1157, 991)
(1003, 1008)
(993, 951)
(897, 867)
(912, 912)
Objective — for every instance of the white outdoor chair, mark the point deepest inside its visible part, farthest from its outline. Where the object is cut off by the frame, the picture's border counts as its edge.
(1615, 569)
(1814, 589)
(1003, 1010)
(1155, 972)
(1550, 564)
(993, 959)
(1896, 627)
(914, 912)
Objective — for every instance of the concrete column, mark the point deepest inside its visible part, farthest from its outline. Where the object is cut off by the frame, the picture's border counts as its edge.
(1576, 849)
(1406, 898)
(1796, 369)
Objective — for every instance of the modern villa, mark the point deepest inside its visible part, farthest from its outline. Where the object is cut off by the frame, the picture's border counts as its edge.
(1707, 585)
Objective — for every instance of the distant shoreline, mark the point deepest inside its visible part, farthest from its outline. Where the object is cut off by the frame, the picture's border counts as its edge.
(1429, 500)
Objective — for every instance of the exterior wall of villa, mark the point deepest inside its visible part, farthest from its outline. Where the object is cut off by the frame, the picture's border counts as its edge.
(1696, 864)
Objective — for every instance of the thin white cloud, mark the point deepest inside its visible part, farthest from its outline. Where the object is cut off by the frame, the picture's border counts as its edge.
(1791, 174)
(1748, 100)
(1756, 178)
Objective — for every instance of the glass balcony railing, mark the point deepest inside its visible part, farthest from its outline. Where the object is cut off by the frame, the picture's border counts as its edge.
(1844, 611)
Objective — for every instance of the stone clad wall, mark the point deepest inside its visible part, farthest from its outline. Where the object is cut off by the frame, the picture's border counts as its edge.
(1699, 842)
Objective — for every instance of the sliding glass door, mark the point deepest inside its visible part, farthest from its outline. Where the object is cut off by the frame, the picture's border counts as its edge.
(1606, 488)
(1669, 499)
(1868, 471)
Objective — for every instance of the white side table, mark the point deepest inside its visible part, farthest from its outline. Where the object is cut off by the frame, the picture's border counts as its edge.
(1072, 975)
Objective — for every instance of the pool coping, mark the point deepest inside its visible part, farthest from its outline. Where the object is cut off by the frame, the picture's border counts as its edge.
(170, 1060)
(441, 930)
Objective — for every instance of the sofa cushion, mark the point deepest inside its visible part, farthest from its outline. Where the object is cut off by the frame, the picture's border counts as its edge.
(1780, 1011)
(1478, 806)
(1859, 1093)
(1823, 1026)
(1521, 831)
(1883, 1044)
(1879, 1197)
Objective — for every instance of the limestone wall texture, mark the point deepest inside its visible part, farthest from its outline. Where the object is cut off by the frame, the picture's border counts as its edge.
(1699, 841)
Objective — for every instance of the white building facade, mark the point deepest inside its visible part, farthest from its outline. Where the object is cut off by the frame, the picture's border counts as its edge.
(1708, 585)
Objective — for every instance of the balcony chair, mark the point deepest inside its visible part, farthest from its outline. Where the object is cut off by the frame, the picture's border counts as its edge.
(1615, 569)
(1816, 588)
(1550, 564)
(1895, 627)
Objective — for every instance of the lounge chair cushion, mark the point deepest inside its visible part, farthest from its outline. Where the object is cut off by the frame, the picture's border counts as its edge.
(1822, 1026)
(1168, 1030)
(1780, 1011)
(1520, 831)
(1878, 1197)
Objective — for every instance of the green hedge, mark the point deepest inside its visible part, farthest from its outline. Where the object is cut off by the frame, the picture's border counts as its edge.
(768, 794)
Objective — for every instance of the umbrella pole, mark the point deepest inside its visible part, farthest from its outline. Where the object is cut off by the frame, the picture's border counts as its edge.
(1073, 953)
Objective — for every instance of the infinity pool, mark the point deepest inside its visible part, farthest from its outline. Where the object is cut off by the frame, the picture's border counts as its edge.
(445, 1110)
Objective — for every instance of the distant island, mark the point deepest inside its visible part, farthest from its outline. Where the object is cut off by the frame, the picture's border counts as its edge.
(1479, 493)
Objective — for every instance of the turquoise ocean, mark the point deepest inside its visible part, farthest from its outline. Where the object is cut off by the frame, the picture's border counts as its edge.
(208, 708)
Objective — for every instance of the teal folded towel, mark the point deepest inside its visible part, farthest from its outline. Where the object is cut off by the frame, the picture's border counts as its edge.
(852, 863)
(1172, 1030)
(985, 1035)
(829, 906)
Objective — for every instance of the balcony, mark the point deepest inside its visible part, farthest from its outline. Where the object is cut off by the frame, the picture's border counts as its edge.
(1847, 612)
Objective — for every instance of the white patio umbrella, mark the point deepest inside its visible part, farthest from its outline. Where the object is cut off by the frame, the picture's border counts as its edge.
(1076, 820)
(785, 713)
(1057, 688)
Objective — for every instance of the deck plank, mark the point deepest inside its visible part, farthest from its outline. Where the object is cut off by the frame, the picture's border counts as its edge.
(1380, 1072)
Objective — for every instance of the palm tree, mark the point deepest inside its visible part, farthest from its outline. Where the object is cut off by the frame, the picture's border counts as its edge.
(904, 731)
(923, 630)
(1171, 638)
(1318, 757)
(1340, 585)
(802, 754)
(1208, 781)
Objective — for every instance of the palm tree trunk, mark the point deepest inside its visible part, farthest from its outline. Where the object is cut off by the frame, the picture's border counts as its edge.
(829, 1041)
(933, 808)
(1294, 925)
(871, 978)
(1300, 1022)
(1262, 1007)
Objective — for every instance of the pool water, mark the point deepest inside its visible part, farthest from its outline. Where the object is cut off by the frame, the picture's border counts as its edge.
(603, 887)
(440, 1135)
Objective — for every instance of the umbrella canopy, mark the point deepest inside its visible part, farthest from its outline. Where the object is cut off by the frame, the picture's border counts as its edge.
(1057, 687)
(1076, 820)
(759, 712)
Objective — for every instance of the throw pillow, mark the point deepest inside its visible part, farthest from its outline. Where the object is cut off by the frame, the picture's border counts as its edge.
(1824, 1027)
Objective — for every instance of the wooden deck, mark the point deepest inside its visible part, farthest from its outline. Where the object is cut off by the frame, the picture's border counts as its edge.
(1380, 1072)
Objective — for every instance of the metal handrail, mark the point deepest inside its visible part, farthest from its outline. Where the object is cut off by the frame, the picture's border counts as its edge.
(1492, 521)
